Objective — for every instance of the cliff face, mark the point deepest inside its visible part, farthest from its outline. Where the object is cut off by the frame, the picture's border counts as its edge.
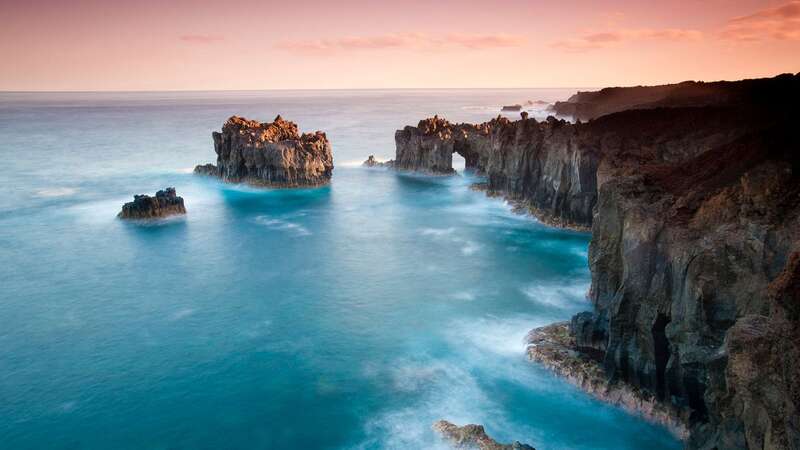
(534, 163)
(550, 167)
(165, 203)
(682, 259)
(270, 154)
(695, 251)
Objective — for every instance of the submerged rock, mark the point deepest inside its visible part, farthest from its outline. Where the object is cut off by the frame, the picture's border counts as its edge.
(165, 203)
(270, 154)
(473, 436)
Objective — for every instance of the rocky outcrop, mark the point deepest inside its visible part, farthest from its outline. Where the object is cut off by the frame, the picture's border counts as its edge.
(683, 257)
(474, 437)
(694, 273)
(554, 347)
(165, 203)
(372, 162)
(270, 154)
(512, 108)
(550, 167)
(694, 208)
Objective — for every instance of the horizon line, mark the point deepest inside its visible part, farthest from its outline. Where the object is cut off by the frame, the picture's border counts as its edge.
(121, 91)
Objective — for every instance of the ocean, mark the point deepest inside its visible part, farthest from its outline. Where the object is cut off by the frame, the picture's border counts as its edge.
(350, 316)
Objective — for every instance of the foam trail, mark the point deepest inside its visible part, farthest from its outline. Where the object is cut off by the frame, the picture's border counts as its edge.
(56, 192)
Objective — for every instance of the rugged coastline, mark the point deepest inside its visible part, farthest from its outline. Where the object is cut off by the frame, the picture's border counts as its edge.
(272, 154)
(693, 199)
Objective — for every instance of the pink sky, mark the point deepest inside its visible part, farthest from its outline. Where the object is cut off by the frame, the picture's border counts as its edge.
(167, 45)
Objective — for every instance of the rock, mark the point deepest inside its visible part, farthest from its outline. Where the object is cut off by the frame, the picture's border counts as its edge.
(372, 162)
(270, 154)
(554, 347)
(512, 107)
(694, 208)
(165, 203)
(473, 436)
(207, 169)
(536, 103)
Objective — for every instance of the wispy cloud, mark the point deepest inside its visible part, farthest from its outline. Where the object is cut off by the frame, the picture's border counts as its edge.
(594, 41)
(409, 41)
(780, 23)
(200, 38)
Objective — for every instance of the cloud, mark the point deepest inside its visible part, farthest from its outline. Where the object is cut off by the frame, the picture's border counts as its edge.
(779, 23)
(406, 41)
(605, 39)
(200, 38)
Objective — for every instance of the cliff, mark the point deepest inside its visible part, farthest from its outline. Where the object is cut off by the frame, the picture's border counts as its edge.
(695, 251)
(550, 167)
(165, 203)
(683, 257)
(270, 154)
(756, 92)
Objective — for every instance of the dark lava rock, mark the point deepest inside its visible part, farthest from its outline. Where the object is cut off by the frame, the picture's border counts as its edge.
(165, 203)
(270, 154)
(694, 207)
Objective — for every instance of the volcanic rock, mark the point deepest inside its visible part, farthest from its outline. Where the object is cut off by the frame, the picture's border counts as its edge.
(270, 154)
(693, 200)
(473, 436)
(165, 203)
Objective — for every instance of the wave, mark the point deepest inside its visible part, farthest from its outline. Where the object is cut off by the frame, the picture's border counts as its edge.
(467, 296)
(292, 228)
(494, 335)
(437, 231)
(557, 296)
(56, 192)
(183, 313)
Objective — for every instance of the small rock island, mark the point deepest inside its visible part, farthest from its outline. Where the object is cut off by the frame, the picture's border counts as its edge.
(272, 154)
(473, 436)
(165, 203)
(372, 162)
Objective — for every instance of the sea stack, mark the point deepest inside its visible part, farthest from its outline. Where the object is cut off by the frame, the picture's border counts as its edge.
(270, 154)
(165, 203)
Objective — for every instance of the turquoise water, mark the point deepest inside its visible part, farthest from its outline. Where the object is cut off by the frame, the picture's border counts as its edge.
(351, 316)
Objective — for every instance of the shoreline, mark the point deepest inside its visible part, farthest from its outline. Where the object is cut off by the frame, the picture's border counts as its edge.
(553, 346)
(524, 208)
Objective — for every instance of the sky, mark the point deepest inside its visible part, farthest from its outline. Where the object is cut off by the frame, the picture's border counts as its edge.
(99, 45)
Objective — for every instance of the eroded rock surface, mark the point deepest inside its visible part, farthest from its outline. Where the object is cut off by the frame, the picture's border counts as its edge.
(694, 207)
(473, 437)
(164, 203)
(550, 167)
(270, 154)
(554, 347)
